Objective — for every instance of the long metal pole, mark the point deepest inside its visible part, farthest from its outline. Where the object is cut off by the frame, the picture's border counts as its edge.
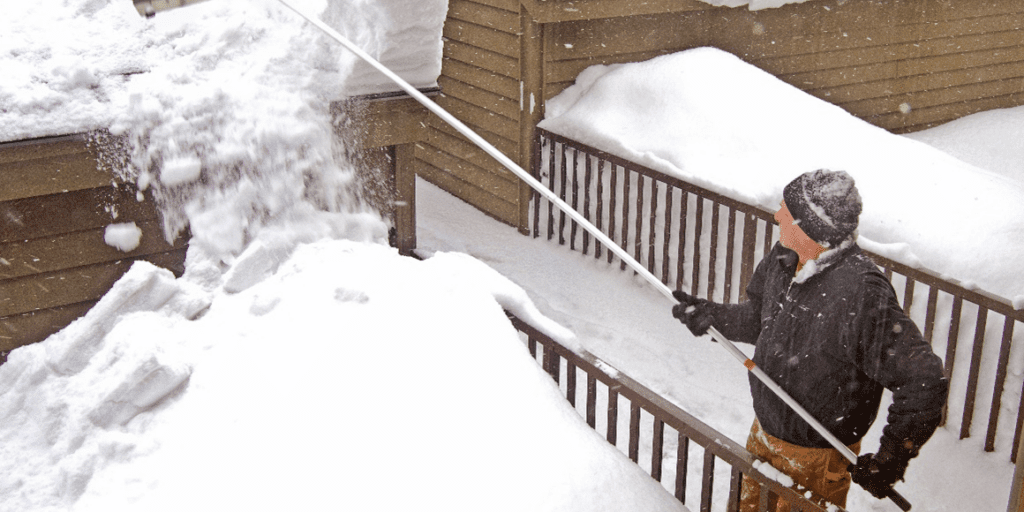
(582, 221)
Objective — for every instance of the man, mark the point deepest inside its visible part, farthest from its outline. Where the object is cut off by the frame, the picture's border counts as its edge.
(827, 327)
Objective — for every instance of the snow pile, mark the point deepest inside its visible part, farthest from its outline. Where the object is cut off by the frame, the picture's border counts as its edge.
(343, 375)
(992, 140)
(405, 36)
(705, 116)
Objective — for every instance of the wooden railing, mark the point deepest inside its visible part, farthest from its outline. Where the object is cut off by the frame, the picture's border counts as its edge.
(697, 240)
(660, 437)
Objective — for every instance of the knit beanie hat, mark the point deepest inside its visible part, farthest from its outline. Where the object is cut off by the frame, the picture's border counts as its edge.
(825, 204)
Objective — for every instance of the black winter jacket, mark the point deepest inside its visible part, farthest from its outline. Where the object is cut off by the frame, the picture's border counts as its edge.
(833, 341)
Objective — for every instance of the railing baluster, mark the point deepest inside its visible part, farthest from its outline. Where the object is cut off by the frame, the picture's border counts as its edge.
(563, 194)
(600, 205)
(729, 250)
(682, 465)
(713, 253)
(591, 400)
(638, 229)
(736, 478)
(997, 392)
(551, 186)
(698, 227)
(538, 150)
(908, 295)
(747, 253)
(769, 500)
(625, 214)
(1017, 432)
(657, 445)
(707, 481)
(570, 383)
(652, 237)
(929, 316)
(575, 198)
(613, 416)
(972, 378)
(666, 252)
(951, 343)
(684, 203)
(552, 363)
(587, 177)
(611, 208)
(634, 432)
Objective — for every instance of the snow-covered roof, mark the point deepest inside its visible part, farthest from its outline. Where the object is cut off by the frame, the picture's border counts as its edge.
(73, 66)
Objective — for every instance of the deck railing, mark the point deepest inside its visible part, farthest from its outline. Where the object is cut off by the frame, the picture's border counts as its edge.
(660, 437)
(697, 240)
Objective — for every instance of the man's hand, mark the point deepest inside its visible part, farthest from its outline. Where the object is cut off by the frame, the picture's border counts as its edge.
(877, 473)
(694, 313)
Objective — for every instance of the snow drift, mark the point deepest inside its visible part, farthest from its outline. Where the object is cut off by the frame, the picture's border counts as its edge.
(705, 116)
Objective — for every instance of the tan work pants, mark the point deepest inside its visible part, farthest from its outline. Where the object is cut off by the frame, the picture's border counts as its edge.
(820, 470)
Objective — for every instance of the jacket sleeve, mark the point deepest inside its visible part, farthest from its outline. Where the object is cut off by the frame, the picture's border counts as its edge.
(894, 354)
(742, 322)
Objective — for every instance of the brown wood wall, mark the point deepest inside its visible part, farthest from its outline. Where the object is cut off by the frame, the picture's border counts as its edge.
(903, 65)
(480, 84)
(54, 265)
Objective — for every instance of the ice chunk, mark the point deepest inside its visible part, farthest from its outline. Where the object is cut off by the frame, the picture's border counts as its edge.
(176, 171)
(124, 236)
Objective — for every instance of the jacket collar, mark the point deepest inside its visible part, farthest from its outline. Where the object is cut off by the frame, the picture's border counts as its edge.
(825, 259)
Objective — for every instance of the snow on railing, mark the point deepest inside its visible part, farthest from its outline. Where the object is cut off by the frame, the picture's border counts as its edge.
(661, 438)
(694, 239)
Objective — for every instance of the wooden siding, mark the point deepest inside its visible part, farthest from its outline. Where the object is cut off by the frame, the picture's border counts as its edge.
(480, 84)
(55, 204)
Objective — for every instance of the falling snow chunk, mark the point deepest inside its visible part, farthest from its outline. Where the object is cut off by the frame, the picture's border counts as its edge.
(177, 171)
(124, 237)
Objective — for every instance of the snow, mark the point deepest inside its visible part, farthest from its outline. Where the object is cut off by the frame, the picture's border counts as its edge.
(992, 140)
(124, 236)
(300, 363)
(87, 58)
(707, 117)
(348, 374)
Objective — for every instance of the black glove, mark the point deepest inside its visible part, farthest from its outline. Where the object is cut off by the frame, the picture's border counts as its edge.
(695, 314)
(877, 473)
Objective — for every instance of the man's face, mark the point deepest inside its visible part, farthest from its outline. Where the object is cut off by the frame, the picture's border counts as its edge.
(792, 237)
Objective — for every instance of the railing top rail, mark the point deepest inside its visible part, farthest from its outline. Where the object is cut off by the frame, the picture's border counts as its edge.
(672, 415)
(983, 298)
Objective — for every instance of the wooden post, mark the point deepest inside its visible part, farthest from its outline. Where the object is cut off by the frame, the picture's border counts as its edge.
(405, 197)
(531, 103)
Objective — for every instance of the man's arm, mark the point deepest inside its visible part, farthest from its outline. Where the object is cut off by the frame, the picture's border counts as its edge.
(894, 354)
